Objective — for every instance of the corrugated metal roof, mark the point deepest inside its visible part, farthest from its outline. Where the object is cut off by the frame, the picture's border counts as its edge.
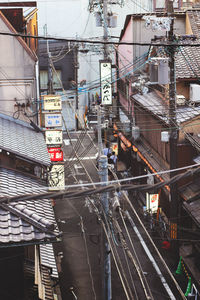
(159, 108)
(21, 139)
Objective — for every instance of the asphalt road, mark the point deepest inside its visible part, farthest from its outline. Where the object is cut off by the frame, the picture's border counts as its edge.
(81, 246)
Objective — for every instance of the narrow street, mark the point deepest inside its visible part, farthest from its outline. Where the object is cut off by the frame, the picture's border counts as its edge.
(81, 247)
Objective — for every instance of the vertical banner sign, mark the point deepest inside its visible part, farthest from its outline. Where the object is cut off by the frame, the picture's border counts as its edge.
(106, 79)
(115, 148)
(152, 202)
(56, 177)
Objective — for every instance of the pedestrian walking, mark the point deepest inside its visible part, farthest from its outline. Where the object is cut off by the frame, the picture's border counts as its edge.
(106, 150)
(110, 166)
(114, 158)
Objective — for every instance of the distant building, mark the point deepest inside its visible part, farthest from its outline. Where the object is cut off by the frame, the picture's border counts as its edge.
(62, 55)
(18, 80)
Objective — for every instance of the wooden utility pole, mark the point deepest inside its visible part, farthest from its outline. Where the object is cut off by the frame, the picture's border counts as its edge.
(50, 89)
(76, 80)
(103, 164)
(105, 28)
(173, 135)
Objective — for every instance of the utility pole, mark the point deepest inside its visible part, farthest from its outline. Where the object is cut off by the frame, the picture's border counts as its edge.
(105, 28)
(50, 89)
(173, 135)
(76, 80)
(103, 172)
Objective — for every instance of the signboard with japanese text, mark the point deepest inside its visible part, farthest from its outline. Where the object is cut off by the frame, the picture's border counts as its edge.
(115, 148)
(54, 137)
(56, 177)
(53, 120)
(52, 102)
(56, 154)
(106, 79)
(152, 201)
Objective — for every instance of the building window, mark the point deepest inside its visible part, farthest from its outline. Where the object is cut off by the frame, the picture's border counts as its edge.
(56, 79)
(162, 4)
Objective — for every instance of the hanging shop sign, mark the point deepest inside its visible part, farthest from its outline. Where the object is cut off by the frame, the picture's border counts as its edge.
(115, 148)
(56, 154)
(105, 80)
(152, 201)
(52, 102)
(56, 177)
(54, 137)
(53, 120)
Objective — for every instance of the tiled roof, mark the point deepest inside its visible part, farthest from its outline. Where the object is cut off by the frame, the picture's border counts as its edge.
(153, 103)
(190, 194)
(188, 58)
(27, 221)
(187, 61)
(20, 138)
(194, 17)
(24, 221)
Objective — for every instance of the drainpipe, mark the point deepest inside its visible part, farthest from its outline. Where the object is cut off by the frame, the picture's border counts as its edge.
(37, 91)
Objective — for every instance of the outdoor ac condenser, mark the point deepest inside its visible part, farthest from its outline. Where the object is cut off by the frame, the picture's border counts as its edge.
(159, 70)
(195, 93)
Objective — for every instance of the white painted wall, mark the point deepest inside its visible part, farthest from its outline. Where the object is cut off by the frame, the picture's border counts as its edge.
(17, 72)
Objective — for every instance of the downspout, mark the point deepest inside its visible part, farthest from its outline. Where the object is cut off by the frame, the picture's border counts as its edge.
(37, 92)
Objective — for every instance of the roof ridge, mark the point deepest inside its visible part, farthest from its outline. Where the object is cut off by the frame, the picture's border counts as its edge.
(29, 216)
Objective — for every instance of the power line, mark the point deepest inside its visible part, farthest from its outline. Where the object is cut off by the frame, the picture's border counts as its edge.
(87, 41)
(108, 188)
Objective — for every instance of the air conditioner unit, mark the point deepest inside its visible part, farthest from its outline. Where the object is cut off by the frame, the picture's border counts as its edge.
(159, 70)
(126, 126)
(180, 100)
(195, 93)
(135, 133)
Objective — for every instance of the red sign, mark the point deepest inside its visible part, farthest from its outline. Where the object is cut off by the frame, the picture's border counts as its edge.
(56, 154)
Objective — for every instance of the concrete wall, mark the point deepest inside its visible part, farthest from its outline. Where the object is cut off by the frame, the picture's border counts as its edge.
(17, 72)
(142, 34)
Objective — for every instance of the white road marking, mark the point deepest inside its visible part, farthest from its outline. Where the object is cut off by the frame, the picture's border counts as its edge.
(67, 141)
(146, 249)
(81, 158)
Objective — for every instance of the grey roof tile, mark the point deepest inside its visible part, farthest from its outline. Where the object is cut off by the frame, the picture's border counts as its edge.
(24, 220)
(21, 139)
(159, 108)
(27, 221)
(188, 63)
